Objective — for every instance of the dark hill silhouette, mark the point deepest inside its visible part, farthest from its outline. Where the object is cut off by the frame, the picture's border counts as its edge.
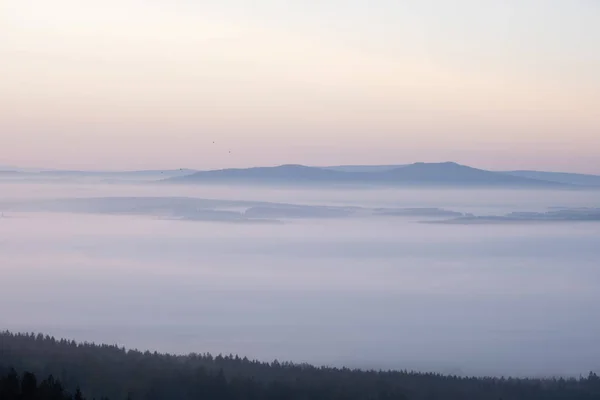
(433, 174)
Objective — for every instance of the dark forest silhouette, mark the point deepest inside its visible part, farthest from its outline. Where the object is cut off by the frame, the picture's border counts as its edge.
(112, 372)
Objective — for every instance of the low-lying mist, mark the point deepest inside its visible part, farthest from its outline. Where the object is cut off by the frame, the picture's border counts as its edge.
(337, 276)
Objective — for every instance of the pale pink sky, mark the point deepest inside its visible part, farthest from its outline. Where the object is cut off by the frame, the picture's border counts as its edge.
(134, 84)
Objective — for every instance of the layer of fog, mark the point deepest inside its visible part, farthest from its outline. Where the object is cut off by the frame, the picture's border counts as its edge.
(383, 292)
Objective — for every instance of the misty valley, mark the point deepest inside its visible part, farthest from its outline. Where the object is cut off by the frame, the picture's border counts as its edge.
(465, 281)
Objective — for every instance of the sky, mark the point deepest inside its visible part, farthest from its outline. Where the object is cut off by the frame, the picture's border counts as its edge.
(134, 84)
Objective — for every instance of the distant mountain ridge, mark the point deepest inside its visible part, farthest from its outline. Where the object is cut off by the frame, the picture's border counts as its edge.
(561, 177)
(283, 172)
(363, 168)
(440, 174)
(434, 174)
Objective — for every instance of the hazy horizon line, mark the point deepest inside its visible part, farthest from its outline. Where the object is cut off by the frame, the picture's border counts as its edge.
(37, 169)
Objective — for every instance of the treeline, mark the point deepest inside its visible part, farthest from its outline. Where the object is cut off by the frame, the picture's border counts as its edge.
(118, 374)
(26, 387)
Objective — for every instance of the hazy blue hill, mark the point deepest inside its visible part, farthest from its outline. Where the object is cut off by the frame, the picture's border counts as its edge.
(561, 177)
(451, 173)
(441, 174)
(362, 168)
(283, 173)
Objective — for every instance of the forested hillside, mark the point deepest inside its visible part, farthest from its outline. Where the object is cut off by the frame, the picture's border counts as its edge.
(27, 387)
(115, 373)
